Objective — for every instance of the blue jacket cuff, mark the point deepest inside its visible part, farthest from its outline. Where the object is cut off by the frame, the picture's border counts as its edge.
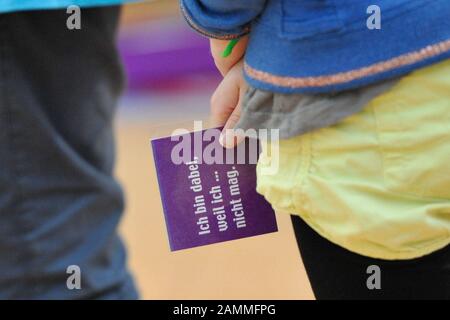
(221, 19)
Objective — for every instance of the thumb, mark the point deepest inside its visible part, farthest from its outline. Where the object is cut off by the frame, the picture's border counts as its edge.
(229, 138)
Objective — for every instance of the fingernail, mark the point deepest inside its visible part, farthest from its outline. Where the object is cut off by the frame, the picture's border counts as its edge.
(226, 138)
(221, 139)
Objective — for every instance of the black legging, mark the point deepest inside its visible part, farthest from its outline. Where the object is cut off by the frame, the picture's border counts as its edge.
(336, 273)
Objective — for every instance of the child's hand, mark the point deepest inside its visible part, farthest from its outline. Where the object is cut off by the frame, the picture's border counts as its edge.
(225, 64)
(226, 104)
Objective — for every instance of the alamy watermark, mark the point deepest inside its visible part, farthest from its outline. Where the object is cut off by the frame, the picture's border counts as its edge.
(374, 280)
(73, 21)
(374, 20)
(73, 281)
(204, 146)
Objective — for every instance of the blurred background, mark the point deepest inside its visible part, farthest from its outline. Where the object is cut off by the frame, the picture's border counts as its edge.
(171, 77)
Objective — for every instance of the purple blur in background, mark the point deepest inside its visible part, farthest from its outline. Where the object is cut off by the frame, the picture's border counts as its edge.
(164, 53)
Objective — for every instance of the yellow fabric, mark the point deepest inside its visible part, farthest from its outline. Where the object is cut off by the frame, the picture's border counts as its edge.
(378, 182)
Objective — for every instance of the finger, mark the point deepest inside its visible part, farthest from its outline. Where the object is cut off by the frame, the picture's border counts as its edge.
(223, 102)
(229, 138)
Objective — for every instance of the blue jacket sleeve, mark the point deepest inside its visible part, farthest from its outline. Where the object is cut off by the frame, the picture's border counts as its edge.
(221, 19)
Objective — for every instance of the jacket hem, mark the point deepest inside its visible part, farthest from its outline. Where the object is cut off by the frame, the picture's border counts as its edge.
(405, 60)
(379, 254)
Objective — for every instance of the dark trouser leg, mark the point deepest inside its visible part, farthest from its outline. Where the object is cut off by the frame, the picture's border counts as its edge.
(336, 273)
(59, 202)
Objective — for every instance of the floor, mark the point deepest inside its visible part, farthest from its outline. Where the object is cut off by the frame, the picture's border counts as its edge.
(263, 267)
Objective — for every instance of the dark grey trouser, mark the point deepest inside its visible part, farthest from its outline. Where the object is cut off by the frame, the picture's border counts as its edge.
(59, 203)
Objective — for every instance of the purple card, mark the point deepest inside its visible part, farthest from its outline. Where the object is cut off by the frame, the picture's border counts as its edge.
(208, 192)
